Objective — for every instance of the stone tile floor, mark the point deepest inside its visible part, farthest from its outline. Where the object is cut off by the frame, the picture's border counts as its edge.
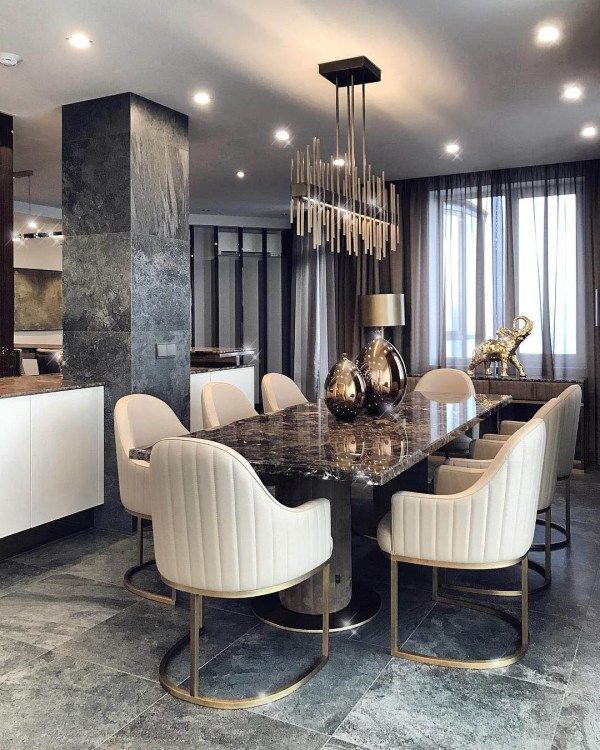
(79, 660)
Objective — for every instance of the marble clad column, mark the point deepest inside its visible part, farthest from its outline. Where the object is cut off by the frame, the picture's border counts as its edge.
(126, 270)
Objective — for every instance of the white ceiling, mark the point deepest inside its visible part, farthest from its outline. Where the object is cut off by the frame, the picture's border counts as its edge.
(452, 69)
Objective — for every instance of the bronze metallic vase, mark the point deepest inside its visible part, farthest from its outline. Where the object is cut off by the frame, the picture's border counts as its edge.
(345, 390)
(384, 372)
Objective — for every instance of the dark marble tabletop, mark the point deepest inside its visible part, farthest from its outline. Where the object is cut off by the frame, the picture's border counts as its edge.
(31, 385)
(307, 441)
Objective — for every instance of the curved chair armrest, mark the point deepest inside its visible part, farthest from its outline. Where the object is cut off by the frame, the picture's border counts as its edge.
(314, 506)
(485, 448)
(451, 479)
(510, 426)
(495, 436)
(470, 463)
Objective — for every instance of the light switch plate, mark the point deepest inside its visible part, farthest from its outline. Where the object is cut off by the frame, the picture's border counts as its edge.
(165, 350)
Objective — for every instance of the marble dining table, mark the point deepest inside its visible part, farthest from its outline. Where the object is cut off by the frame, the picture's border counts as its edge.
(306, 453)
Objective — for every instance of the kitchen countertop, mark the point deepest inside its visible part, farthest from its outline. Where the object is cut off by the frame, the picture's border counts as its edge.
(199, 370)
(307, 441)
(32, 385)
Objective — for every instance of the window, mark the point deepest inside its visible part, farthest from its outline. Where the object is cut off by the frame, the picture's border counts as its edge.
(486, 266)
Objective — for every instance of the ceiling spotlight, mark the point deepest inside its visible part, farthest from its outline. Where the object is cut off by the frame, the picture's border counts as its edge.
(202, 97)
(81, 41)
(339, 162)
(589, 131)
(32, 224)
(240, 174)
(16, 238)
(547, 34)
(282, 136)
(452, 149)
(9, 59)
(572, 92)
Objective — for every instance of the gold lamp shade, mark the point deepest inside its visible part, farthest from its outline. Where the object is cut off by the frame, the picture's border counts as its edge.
(382, 310)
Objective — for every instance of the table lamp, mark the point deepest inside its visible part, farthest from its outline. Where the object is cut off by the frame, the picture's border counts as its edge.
(379, 311)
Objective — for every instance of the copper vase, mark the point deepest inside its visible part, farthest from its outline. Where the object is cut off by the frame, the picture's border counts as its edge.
(345, 390)
(384, 372)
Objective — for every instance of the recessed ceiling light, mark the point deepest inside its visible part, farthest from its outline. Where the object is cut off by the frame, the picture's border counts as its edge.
(452, 149)
(81, 41)
(282, 135)
(32, 224)
(547, 34)
(202, 97)
(339, 162)
(16, 238)
(572, 92)
(240, 174)
(589, 131)
(10, 59)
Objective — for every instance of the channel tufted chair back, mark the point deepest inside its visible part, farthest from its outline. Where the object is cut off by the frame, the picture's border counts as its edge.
(570, 400)
(492, 521)
(217, 528)
(279, 392)
(551, 414)
(140, 420)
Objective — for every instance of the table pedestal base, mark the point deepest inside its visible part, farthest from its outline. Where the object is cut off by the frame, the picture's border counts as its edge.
(364, 605)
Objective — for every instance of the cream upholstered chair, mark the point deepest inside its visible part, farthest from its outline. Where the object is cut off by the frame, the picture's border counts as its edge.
(570, 401)
(448, 381)
(219, 532)
(487, 448)
(140, 421)
(279, 392)
(222, 404)
(478, 518)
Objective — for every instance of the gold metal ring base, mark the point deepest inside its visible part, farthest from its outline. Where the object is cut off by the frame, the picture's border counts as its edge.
(509, 593)
(145, 593)
(522, 625)
(554, 545)
(442, 661)
(228, 703)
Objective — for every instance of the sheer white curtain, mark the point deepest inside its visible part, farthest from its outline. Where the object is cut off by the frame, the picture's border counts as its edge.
(499, 245)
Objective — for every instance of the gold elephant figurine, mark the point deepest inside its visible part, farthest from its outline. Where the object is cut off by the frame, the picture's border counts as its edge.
(502, 349)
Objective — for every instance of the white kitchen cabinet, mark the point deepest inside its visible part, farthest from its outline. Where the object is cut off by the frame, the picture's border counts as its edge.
(67, 453)
(15, 465)
(51, 456)
(242, 377)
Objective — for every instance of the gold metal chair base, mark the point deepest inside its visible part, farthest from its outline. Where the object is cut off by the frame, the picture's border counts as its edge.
(196, 625)
(128, 577)
(564, 530)
(146, 593)
(544, 570)
(522, 625)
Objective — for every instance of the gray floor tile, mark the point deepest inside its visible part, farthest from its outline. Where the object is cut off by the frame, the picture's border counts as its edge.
(68, 704)
(53, 610)
(69, 550)
(267, 658)
(14, 574)
(579, 723)
(322, 703)
(334, 744)
(413, 605)
(136, 639)
(14, 654)
(171, 723)
(428, 708)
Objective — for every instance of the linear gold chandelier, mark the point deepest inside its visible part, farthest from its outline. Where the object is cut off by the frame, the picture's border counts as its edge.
(336, 202)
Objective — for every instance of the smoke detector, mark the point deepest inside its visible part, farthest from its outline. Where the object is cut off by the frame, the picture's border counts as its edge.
(9, 59)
